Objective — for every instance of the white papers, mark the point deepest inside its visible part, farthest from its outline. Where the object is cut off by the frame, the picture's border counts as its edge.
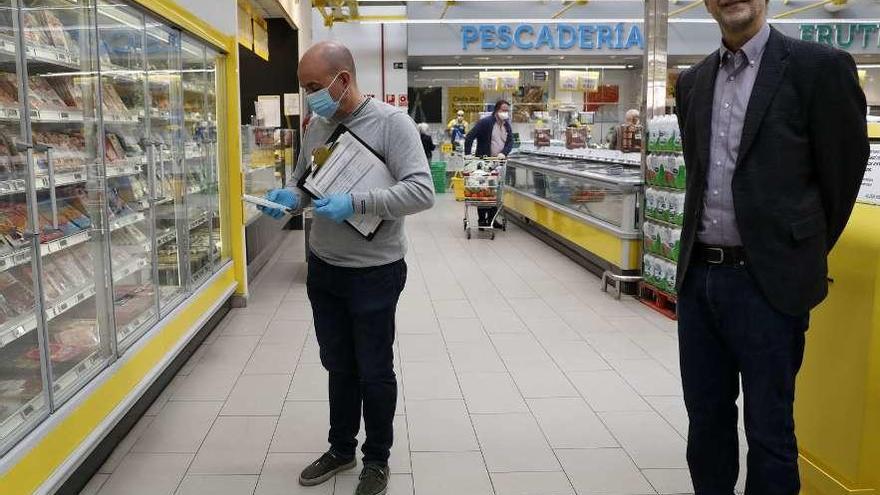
(351, 167)
(870, 191)
(268, 109)
(291, 103)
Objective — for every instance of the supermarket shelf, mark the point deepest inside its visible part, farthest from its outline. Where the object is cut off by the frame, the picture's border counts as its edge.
(663, 188)
(166, 237)
(198, 221)
(134, 326)
(661, 256)
(14, 330)
(42, 54)
(18, 186)
(85, 367)
(23, 255)
(660, 221)
(22, 416)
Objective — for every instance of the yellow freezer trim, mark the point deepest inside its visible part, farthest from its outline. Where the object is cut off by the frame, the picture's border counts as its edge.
(38, 464)
(837, 410)
(234, 175)
(621, 253)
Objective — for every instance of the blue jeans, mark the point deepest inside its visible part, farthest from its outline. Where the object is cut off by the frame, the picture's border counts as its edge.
(354, 311)
(728, 331)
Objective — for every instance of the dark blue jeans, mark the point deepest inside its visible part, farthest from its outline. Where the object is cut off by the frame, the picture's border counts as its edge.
(728, 331)
(354, 312)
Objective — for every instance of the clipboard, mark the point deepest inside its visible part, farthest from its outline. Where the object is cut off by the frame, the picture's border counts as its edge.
(340, 130)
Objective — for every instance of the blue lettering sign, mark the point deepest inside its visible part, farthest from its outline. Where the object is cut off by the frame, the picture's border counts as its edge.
(468, 35)
(487, 37)
(544, 38)
(585, 33)
(567, 36)
(618, 36)
(505, 37)
(605, 37)
(635, 38)
(518, 35)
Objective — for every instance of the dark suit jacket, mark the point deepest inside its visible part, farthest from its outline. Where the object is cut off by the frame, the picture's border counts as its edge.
(482, 132)
(429, 146)
(803, 153)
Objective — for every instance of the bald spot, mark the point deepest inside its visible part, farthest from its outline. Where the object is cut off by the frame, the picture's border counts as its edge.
(333, 57)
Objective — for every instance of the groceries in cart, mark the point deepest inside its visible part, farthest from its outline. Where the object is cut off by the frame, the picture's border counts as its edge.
(481, 185)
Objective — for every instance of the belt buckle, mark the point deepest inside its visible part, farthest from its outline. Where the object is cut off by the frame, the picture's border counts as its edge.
(720, 255)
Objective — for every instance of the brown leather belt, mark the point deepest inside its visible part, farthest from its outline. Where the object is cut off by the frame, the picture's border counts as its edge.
(720, 255)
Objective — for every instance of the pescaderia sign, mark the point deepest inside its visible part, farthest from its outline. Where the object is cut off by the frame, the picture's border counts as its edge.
(489, 37)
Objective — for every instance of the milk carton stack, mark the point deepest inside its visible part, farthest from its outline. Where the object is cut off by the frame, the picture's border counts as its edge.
(666, 178)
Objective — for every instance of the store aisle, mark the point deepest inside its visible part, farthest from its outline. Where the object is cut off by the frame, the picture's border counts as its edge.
(518, 377)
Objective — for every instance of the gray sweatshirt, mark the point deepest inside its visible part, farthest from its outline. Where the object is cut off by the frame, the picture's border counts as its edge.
(392, 134)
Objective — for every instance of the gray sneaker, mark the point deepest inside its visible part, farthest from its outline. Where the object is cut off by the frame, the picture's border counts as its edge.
(324, 468)
(373, 480)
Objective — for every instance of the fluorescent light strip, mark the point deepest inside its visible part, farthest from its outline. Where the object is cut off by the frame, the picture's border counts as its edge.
(502, 21)
(868, 66)
(526, 67)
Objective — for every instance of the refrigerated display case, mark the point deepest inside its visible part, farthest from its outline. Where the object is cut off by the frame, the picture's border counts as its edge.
(267, 161)
(109, 191)
(585, 201)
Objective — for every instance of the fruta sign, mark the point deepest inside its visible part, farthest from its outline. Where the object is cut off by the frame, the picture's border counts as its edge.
(618, 36)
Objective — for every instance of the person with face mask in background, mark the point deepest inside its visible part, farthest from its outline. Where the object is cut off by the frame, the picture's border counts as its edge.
(775, 142)
(494, 138)
(457, 128)
(353, 283)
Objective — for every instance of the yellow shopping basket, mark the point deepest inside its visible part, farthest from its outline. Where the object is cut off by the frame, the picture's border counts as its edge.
(458, 186)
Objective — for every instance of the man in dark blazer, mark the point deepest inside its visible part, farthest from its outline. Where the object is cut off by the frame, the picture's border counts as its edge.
(775, 142)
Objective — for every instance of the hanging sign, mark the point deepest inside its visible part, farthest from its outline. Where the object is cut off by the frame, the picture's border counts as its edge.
(487, 37)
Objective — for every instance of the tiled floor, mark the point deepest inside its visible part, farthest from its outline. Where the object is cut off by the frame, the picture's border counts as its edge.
(518, 376)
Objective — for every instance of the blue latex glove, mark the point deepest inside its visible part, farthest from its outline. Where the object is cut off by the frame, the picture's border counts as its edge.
(336, 207)
(284, 197)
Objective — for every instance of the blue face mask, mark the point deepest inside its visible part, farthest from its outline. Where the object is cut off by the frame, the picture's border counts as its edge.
(322, 103)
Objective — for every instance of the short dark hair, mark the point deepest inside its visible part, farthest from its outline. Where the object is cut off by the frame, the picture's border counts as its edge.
(499, 103)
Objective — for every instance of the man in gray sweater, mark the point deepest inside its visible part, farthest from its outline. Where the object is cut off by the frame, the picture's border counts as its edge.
(354, 284)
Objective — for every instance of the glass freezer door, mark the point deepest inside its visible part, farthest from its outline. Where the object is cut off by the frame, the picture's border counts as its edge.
(62, 94)
(200, 180)
(23, 372)
(124, 91)
(165, 123)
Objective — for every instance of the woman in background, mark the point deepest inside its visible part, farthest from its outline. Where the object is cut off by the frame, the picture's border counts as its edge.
(427, 141)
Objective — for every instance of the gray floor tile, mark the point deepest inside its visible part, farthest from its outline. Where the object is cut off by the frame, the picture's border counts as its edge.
(516, 348)
(603, 471)
(310, 383)
(570, 424)
(217, 485)
(468, 357)
(147, 474)
(575, 356)
(648, 438)
(286, 332)
(206, 383)
(179, 428)
(491, 393)
(463, 330)
(274, 359)
(94, 484)
(672, 409)
(460, 308)
(541, 380)
(440, 426)
(531, 484)
(428, 348)
(229, 352)
(302, 427)
(670, 481)
(257, 395)
(648, 377)
(438, 473)
(513, 442)
(423, 381)
(553, 329)
(125, 445)
(246, 323)
(235, 445)
(606, 391)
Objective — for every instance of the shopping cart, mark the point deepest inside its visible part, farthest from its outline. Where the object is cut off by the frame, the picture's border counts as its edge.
(484, 189)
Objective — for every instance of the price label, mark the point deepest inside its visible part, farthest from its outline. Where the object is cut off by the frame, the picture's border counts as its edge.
(80, 297)
(2, 262)
(62, 243)
(12, 113)
(19, 331)
(65, 116)
(77, 176)
(35, 114)
(870, 190)
(60, 57)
